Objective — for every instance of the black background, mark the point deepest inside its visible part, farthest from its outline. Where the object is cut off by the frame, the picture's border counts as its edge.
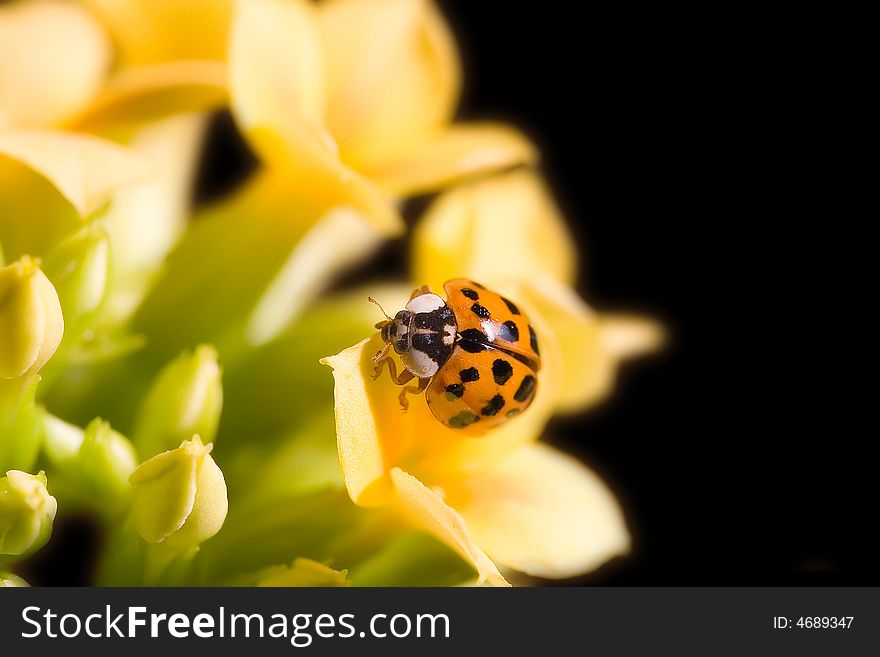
(696, 156)
(691, 154)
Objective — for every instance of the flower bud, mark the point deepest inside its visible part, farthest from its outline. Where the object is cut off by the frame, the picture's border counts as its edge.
(179, 496)
(98, 460)
(26, 514)
(9, 581)
(31, 324)
(186, 399)
(79, 268)
(106, 460)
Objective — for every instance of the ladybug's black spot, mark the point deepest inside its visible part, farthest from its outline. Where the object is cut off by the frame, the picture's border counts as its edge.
(526, 389)
(533, 340)
(469, 375)
(512, 412)
(495, 404)
(472, 341)
(508, 331)
(480, 311)
(463, 419)
(502, 371)
(510, 306)
(454, 391)
(470, 294)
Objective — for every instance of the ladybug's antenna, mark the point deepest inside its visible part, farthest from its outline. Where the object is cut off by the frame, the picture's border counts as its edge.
(372, 300)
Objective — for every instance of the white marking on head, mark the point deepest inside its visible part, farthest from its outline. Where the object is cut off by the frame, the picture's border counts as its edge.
(420, 363)
(425, 303)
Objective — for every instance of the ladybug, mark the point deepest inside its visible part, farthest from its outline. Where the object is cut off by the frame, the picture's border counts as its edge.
(475, 355)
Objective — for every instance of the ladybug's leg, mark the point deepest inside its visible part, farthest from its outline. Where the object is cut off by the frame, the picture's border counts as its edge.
(412, 390)
(419, 291)
(381, 359)
(404, 377)
(381, 354)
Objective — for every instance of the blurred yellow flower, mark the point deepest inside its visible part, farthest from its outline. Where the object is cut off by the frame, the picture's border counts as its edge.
(352, 100)
(65, 90)
(53, 61)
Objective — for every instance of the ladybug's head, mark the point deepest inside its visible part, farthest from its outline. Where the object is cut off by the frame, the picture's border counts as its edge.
(394, 331)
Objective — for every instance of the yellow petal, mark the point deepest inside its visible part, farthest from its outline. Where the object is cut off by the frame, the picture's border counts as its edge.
(276, 89)
(339, 240)
(392, 75)
(361, 441)
(427, 509)
(275, 62)
(454, 154)
(25, 193)
(53, 59)
(626, 336)
(543, 513)
(151, 31)
(592, 346)
(503, 228)
(86, 170)
(142, 95)
(588, 369)
(145, 219)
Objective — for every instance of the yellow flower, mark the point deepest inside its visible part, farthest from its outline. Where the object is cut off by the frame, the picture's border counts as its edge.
(63, 91)
(53, 61)
(179, 496)
(352, 100)
(497, 498)
(526, 506)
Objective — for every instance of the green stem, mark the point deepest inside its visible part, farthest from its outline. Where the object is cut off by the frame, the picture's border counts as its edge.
(20, 433)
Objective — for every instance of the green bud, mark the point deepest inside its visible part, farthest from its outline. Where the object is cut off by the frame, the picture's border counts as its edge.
(26, 514)
(179, 496)
(98, 461)
(303, 572)
(106, 460)
(61, 442)
(9, 580)
(79, 267)
(31, 323)
(186, 399)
